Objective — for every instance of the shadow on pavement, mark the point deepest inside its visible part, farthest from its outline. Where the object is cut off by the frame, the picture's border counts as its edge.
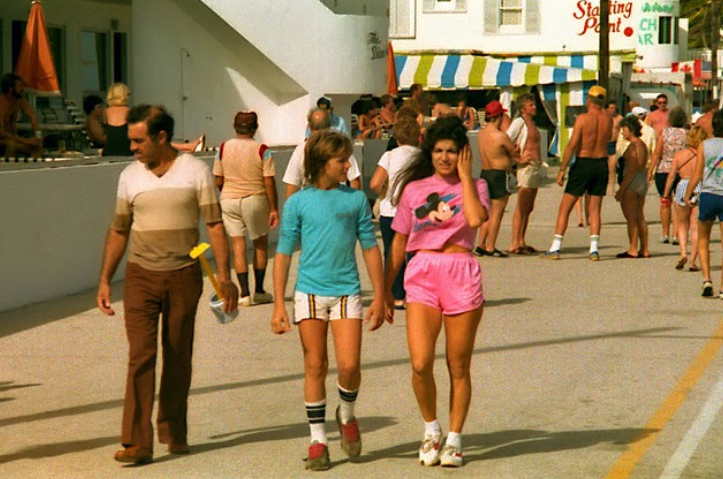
(281, 433)
(503, 444)
(59, 449)
(117, 403)
(31, 316)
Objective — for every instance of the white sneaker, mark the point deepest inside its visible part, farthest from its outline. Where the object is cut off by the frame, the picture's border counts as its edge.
(245, 301)
(430, 450)
(451, 457)
(263, 298)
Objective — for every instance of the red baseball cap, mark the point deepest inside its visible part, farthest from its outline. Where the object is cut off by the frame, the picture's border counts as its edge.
(494, 109)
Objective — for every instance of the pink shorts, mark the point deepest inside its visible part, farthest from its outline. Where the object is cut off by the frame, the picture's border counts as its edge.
(450, 282)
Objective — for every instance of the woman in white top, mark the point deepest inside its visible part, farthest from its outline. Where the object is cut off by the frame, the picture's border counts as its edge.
(406, 132)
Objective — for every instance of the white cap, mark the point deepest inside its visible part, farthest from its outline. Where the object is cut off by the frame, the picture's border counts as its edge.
(639, 111)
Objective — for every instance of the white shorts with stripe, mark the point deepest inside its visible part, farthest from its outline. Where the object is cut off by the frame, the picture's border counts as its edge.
(326, 308)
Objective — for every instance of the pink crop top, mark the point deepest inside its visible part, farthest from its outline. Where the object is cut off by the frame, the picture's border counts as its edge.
(430, 213)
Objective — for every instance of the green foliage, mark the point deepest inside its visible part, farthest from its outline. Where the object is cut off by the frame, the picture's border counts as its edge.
(698, 14)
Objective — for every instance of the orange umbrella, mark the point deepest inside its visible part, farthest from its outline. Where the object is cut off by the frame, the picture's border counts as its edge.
(35, 63)
(392, 88)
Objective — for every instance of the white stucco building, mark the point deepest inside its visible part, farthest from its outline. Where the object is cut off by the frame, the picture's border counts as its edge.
(207, 59)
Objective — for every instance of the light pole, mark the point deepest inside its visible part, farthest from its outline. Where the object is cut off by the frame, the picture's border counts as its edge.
(714, 43)
(604, 56)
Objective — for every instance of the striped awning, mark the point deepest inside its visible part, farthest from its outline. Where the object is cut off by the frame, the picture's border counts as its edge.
(473, 71)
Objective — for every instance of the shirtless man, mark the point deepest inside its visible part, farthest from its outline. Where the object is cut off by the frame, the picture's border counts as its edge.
(658, 119)
(589, 174)
(497, 153)
(11, 102)
(706, 120)
(524, 133)
(612, 109)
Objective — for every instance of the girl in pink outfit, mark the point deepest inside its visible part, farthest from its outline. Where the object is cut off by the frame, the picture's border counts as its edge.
(439, 208)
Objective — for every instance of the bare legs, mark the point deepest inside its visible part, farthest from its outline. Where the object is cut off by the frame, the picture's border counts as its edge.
(687, 221)
(491, 228)
(566, 206)
(347, 335)
(525, 204)
(665, 216)
(633, 210)
(704, 228)
(423, 326)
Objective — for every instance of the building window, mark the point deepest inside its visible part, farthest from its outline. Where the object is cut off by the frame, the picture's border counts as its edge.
(444, 6)
(511, 13)
(668, 31)
(511, 16)
(94, 61)
(402, 18)
(120, 57)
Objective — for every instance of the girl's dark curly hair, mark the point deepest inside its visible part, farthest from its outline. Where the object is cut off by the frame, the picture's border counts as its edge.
(444, 128)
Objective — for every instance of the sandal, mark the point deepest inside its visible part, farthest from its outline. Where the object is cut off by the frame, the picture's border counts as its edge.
(625, 254)
(496, 254)
(681, 263)
(530, 249)
(693, 269)
(520, 251)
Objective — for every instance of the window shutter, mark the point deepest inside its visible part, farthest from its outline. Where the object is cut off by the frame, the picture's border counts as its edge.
(461, 5)
(532, 16)
(491, 22)
(428, 6)
(401, 19)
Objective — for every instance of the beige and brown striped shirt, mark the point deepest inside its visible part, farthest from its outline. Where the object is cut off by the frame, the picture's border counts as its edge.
(163, 213)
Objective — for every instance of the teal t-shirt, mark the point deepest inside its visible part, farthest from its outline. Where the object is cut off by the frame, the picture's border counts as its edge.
(326, 224)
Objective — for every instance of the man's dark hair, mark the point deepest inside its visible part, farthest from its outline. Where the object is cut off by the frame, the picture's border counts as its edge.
(156, 118)
(89, 103)
(718, 123)
(8, 82)
(633, 124)
(662, 95)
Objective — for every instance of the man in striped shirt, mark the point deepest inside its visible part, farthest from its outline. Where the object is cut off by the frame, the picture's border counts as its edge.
(161, 198)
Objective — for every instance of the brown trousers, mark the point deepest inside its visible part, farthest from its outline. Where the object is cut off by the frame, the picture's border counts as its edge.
(172, 295)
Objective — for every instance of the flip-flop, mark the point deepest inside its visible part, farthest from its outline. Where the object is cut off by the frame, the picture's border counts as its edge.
(520, 251)
(694, 269)
(496, 254)
(681, 264)
(625, 254)
(530, 249)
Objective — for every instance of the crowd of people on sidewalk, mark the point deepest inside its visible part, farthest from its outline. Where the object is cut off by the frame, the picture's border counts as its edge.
(432, 212)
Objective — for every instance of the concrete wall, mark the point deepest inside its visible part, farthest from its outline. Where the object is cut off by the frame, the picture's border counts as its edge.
(54, 222)
(207, 59)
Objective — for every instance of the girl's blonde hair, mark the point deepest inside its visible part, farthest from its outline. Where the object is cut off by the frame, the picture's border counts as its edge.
(118, 94)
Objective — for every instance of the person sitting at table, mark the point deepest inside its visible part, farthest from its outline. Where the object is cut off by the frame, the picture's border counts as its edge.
(94, 127)
(116, 126)
(12, 101)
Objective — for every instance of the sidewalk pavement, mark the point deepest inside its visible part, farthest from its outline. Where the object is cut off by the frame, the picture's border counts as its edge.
(576, 362)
